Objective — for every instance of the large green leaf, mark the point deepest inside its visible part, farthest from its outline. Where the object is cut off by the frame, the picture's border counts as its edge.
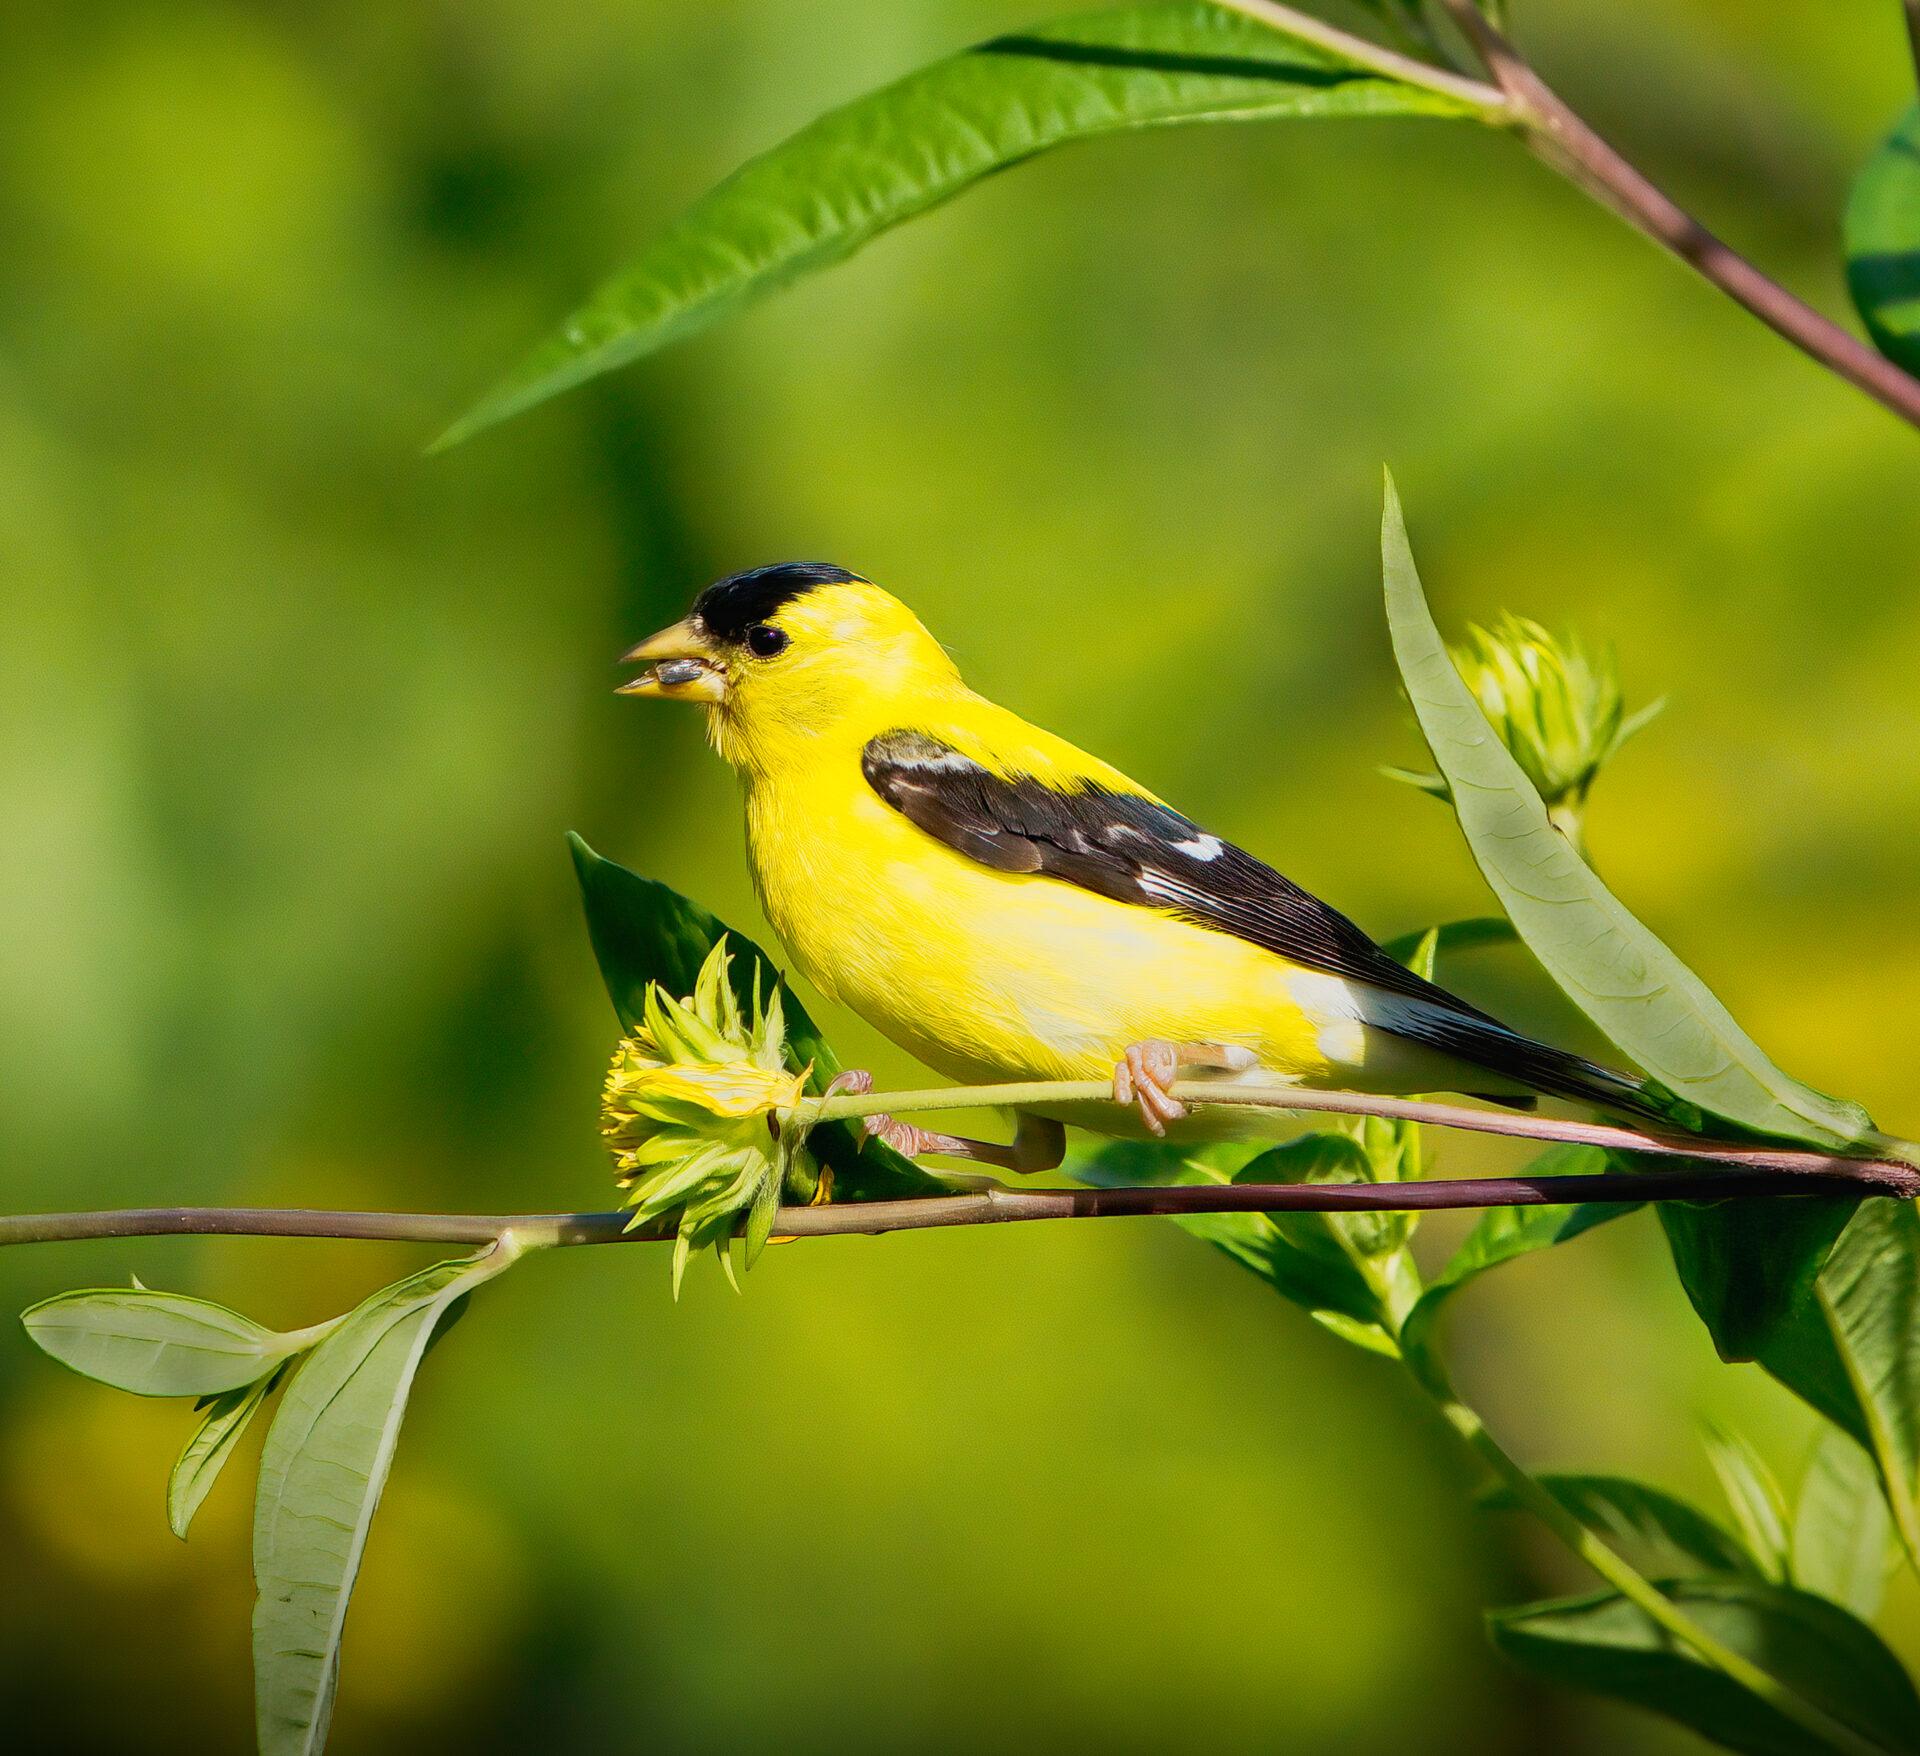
(1853, 1352)
(158, 1344)
(644, 931)
(859, 170)
(1750, 1267)
(1829, 1658)
(1883, 244)
(1669, 1532)
(1841, 1532)
(1499, 1235)
(223, 1423)
(1642, 997)
(321, 1475)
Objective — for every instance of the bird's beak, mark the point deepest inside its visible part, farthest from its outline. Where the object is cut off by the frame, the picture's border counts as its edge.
(683, 666)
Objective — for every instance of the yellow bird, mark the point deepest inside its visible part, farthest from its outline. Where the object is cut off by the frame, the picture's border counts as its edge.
(1007, 907)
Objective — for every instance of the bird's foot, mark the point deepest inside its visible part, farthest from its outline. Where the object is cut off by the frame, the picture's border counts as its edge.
(1144, 1075)
(1038, 1144)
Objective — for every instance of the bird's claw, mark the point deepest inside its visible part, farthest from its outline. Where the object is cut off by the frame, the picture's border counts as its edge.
(1143, 1075)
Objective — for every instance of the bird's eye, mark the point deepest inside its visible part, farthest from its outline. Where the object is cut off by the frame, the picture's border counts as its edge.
(765, 641)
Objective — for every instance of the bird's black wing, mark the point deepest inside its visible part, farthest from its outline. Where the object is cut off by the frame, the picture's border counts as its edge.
(1135, 850)
(1127, 847)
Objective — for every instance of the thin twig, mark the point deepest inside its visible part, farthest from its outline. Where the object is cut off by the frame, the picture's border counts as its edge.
(1375, 57)
(969, 1208)
(1277, 1096)
(1567, 142)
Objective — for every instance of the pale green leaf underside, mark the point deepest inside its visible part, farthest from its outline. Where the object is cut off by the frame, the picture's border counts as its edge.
(1841, 1531)
(156, 1344)
(1883, 244)
(859, 170)
(208, 1449)
(1643, 998)
(321, 1475)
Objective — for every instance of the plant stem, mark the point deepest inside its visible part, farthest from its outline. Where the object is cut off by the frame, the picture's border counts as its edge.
(1567, 142)
(1376, 57)
(1913, 35)
(972, 1207)
(1660, 1609)
(1278, 1096)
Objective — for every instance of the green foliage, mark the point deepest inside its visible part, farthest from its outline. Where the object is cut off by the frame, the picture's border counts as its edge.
(1883, 244)
(1606, 1644)
(1750, 1268)
(859, 170)
(1650, 1005)
(1469, 935)
(321, 1475)
(1852, 1351)
(1841, 1531)
(158, 1344)
(643, 932)
(1500, 1235)
(224, 1420)
(1755, 1495)
(1669, 1534)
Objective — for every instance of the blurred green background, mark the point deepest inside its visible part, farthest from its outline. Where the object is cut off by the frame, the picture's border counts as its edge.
(292, 721)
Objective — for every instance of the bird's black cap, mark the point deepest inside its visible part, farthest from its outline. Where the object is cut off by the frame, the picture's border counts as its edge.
(730, 606)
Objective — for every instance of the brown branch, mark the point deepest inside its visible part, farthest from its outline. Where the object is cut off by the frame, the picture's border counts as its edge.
(1567, 142)
(974, 1207)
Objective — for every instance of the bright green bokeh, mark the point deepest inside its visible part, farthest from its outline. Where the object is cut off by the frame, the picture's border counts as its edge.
(292, 723)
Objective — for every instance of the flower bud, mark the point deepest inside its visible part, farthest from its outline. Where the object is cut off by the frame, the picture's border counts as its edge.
(699, 1113)
(1556, 707)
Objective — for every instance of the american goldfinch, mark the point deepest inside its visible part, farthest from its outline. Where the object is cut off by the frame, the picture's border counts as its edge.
(1007, 907)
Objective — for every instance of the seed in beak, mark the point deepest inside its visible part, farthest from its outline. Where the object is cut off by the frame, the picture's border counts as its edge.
(670, 672)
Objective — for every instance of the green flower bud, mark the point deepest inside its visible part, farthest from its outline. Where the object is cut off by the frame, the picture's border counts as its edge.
(1556, 707)
(700, 1113)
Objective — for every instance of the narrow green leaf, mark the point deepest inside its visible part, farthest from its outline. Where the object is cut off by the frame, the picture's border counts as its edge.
(1841, 1532)
(1753, 1493)
(1469, 935)
(643, 931)
(321, 1475)
(1607, 1645)
(1642, 997)
(157, 1344)
(1883, 244)
(1669, 1532)
(1853, 1351)
(1501, 1234)
(224, 1421)
(862, 169)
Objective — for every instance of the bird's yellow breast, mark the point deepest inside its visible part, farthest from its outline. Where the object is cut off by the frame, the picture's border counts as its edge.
(989, 975)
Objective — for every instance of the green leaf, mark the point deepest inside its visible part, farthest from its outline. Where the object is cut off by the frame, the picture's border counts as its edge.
(1642, 997)
(1853, 1351)
(1305, 1263)
(158, 1344)
(643, 931)
(1749, 1267)
(1754, 1494)
(225, 1419)
(1671, 1532)
(321, 1474)
(1605, 1644)
(1841, 1532)
(884, 158)
(1501, 1234)
(1468, 935)
(1883, 244)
